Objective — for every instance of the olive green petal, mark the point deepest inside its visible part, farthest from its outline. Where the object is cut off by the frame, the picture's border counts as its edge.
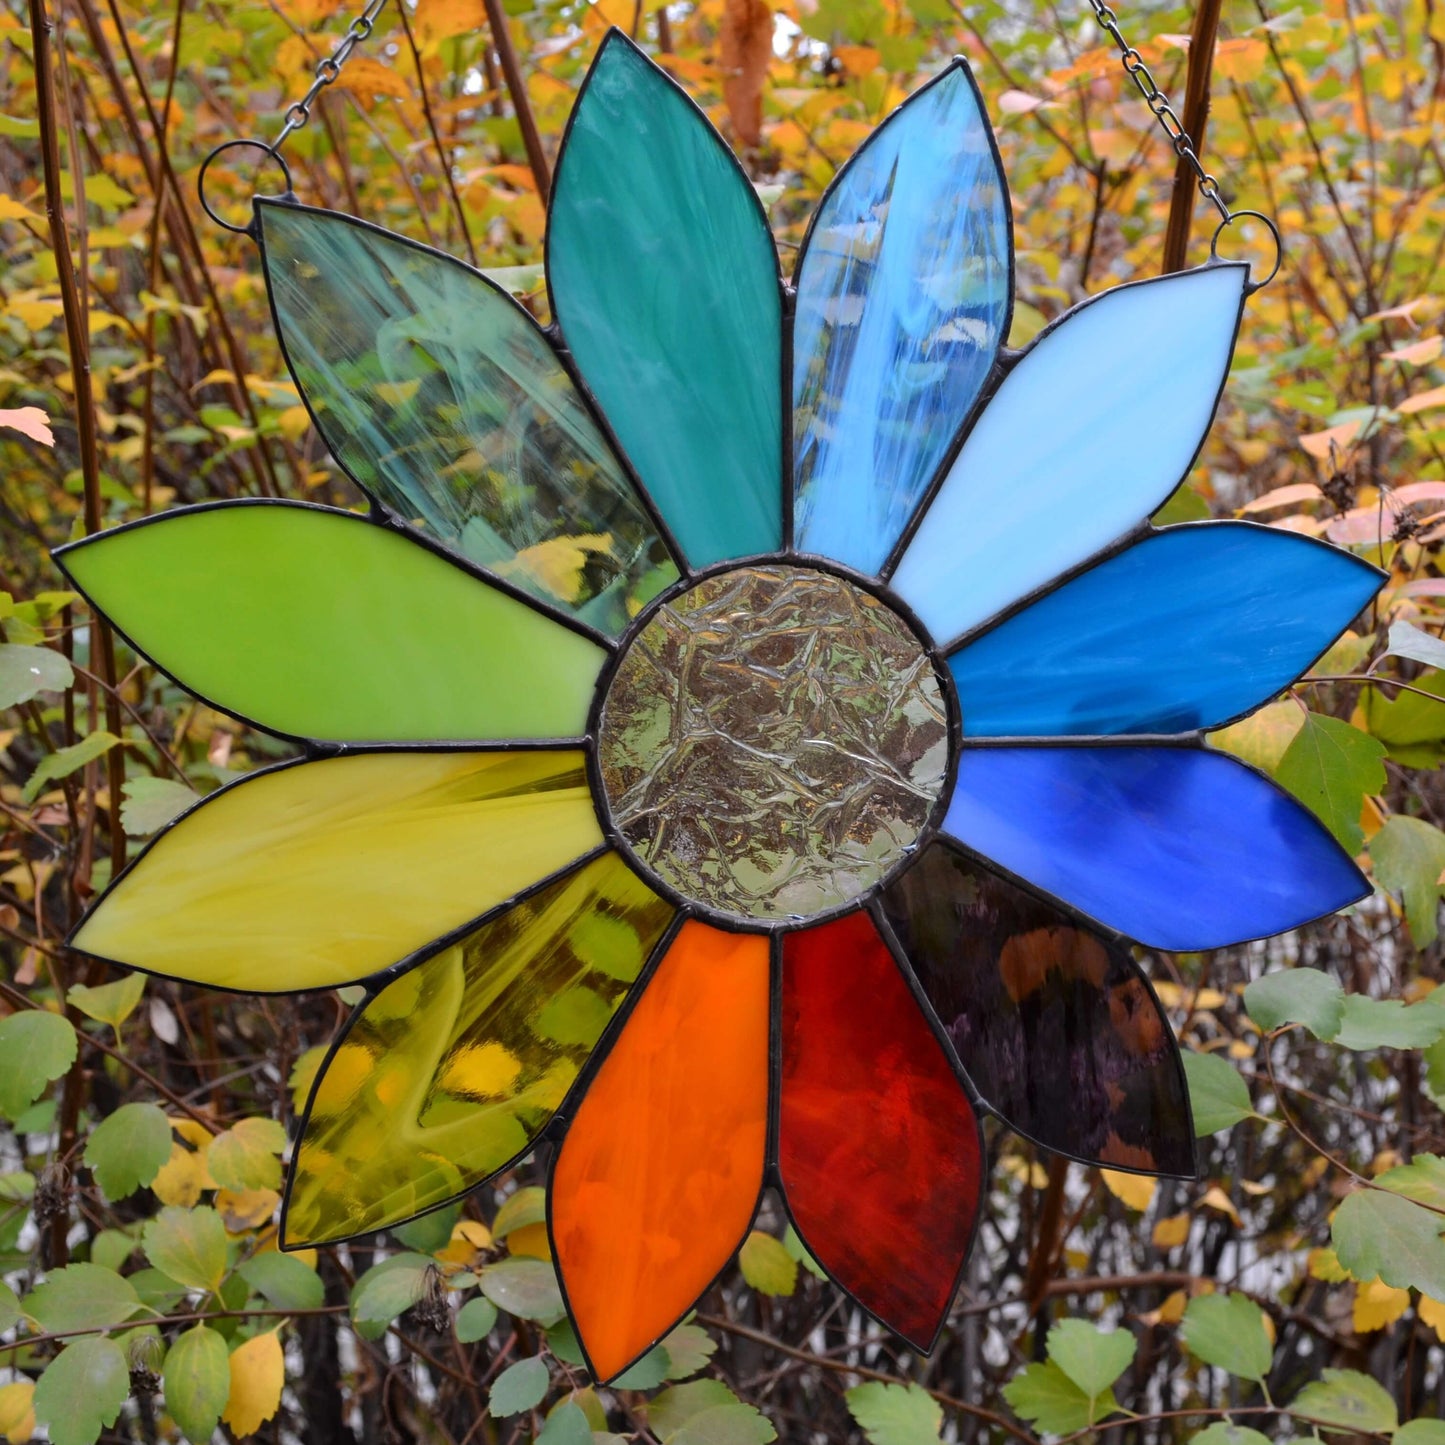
(314, 623)
(453, 1069)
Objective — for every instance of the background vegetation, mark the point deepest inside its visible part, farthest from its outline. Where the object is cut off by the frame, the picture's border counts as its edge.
(1297, 1288)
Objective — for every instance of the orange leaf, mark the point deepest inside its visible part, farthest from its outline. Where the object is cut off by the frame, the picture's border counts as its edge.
(1423, 399)
(438, 20)
(368, 77)
(29, 420)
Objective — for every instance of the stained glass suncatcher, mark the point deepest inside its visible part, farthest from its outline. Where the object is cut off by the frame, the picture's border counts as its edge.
(730, 798)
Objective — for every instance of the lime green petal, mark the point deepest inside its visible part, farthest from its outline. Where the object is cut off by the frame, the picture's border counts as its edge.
(320, 624)
(317, 874)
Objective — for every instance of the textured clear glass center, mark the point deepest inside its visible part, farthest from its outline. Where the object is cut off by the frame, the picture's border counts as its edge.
(772, 742)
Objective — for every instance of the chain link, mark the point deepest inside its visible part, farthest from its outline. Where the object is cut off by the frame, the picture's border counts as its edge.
(328, 70)
(1164, 113)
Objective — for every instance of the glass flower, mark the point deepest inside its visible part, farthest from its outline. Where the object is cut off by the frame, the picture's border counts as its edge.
(747, 726)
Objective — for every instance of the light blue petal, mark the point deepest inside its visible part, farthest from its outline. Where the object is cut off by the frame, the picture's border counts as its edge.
(665, 283)
(1187, 629)
(1178, 847)
(1088, 434)
(903, 300)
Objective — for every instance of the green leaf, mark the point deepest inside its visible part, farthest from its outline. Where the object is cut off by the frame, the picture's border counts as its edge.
(567, 1425)
(526, 1288)
(519, 1387)
(64, 761)
(1331, 767)
(1409, 859)
(1422, 1179)
(189, 1245)
(725, 1425)
(387, 1290)
(112, 1247)
(10, 1310)
(793, 1243)
(109, 1003)
(151, 803)
(126, 1150)
(1225, 1432)
(25, 671)
(645, 1374)
(1305, 996)
(1218, 1096)
(1407, 640)
(895, 1414)
(1379, 1233)
(1228, 1331)
(82, 1391)
(526, 1206)
(82, 1297)
(1421, 1432)
(1092, 1358)
(35, 1047)
(284, 1280)
(1388, 1023)
(1045, 1396)
(767, 1266)
(197, 1379)
(244, 1157)
(1349, 1401)
(669, 1411)
(431, 1231)
(689, 1348)
(475, 1320)
(1434, 1080)
(574, 1019)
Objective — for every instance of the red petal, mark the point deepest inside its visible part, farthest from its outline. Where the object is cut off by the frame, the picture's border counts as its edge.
(879, 1150)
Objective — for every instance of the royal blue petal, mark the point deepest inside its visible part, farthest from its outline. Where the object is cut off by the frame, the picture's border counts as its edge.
(1187, 629)
(1178, 847)
(664, 281)
(1088, 434)
(903, 300)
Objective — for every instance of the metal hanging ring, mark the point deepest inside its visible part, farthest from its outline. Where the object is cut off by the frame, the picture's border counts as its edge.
(1229, 220)
(259, 145)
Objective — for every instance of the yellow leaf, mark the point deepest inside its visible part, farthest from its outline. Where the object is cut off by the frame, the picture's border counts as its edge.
(1241, 59)
(258, 1372)
(242, 1209)
(1172, 1310)
(469, 1238)
(1216, 1198)
(1136, 1190)
(12, 210)
(182, 1177)
(293, 422)
(1324, 1264)
(857, 59)
(530, 1240)
(368, 77)
(481, 1071)
(438, 20)
(1378, 1304)
(1432, 1312)
(1172, 1232)
(17, 1418)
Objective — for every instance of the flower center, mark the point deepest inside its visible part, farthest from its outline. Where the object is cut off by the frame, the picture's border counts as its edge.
(772, 741)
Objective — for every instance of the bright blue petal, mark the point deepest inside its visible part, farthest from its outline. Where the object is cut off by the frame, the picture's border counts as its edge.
(1187, 629)
(903, 300)
(1178, 847)
(1088, 434)
(665, 284)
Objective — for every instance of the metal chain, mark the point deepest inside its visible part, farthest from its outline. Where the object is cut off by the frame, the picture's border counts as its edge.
(328, 70)
(1164, 113)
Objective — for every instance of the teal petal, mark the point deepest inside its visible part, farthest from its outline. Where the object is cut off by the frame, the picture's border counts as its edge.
(665, 284)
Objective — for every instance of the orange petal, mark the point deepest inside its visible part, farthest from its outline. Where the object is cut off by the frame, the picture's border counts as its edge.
(658, 1178)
